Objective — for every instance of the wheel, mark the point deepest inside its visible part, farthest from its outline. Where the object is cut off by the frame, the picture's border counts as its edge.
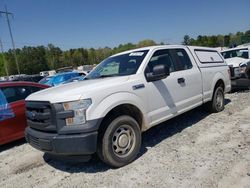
(218, 103)
(120, 141)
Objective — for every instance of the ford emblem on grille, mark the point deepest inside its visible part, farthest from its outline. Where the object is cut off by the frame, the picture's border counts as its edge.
(30, 115)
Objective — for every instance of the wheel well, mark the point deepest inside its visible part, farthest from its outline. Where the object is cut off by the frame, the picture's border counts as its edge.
(219, 83)
(124, 109)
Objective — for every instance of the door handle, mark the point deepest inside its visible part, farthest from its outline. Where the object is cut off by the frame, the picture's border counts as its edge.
(180, 80)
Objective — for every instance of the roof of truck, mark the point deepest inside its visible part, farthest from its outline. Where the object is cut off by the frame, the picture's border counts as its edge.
(165, 46)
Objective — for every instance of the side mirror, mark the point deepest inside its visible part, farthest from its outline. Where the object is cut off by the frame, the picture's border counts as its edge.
(159, 72)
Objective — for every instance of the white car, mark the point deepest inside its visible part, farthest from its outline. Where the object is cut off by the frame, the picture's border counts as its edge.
(238, 60)
(126, 94)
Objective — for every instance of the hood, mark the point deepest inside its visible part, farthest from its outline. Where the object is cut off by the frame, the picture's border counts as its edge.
(76, 90)
(236, 61)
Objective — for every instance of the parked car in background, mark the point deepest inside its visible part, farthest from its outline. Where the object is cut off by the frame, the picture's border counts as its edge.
(65, 69)
(12, 108)
(58, 78)
(28, 78)
(48, 73)
(15, 77)
(238, 59)
(4, 78)
(75, 79)
(46, 80)
(82, 73)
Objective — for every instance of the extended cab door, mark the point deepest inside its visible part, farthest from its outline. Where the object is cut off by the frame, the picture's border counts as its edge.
(180, 91)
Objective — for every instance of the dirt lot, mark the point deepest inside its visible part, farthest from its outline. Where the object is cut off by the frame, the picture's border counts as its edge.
(196, 149)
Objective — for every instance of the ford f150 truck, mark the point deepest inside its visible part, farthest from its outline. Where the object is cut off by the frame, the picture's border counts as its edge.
(238, 60)
(123, 96)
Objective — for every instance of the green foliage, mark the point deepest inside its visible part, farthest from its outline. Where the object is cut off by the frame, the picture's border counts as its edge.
(33, 60)
(187, 40)
(2, 69)
(218, 40)
(147, 42)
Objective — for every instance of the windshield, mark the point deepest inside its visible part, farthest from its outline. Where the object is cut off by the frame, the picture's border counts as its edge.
(121, 65)
(243, 53)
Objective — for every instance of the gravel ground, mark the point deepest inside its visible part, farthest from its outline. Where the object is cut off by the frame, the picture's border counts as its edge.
(196, 149)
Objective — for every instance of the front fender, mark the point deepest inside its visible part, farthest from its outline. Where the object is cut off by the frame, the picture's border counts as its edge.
(101, 109)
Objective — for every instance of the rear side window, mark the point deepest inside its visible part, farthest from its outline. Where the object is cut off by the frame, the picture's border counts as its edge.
(182, 59)
(16, 93)
(208, 56)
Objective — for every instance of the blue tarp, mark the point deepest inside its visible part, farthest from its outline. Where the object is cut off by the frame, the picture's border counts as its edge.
(5, 109)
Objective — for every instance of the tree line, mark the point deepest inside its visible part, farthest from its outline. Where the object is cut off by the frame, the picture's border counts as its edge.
(32, 60)
(230, 40)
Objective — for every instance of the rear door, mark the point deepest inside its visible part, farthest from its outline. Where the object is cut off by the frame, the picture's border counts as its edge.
(180, 91)
(187, 80)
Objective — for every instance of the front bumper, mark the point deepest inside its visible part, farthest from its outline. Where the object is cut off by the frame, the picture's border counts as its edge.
(241, 83)
(71, 144)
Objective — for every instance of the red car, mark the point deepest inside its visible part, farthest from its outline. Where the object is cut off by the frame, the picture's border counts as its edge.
(12, 108)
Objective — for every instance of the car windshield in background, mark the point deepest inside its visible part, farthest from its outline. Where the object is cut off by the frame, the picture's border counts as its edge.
(243, 53)
(121, 65)
(74, 79)
(46, 80)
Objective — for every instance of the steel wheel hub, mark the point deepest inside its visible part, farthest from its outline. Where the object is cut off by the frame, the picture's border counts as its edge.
(219, 100)
(123, 141)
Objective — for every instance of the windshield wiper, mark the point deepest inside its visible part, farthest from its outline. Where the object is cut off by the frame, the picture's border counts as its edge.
(101, 76)
(106, 76)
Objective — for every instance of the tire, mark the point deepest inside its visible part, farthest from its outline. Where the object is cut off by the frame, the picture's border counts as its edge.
(120, 142)
(218, 101)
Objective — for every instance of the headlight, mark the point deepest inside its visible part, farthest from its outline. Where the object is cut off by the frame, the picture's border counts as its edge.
(79, 108)
(243, 69)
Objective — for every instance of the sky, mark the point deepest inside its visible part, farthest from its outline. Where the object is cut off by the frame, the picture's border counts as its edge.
(92, 23)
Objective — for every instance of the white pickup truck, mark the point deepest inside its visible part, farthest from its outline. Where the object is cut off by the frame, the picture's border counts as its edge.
(238, 60)
(123, 96)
